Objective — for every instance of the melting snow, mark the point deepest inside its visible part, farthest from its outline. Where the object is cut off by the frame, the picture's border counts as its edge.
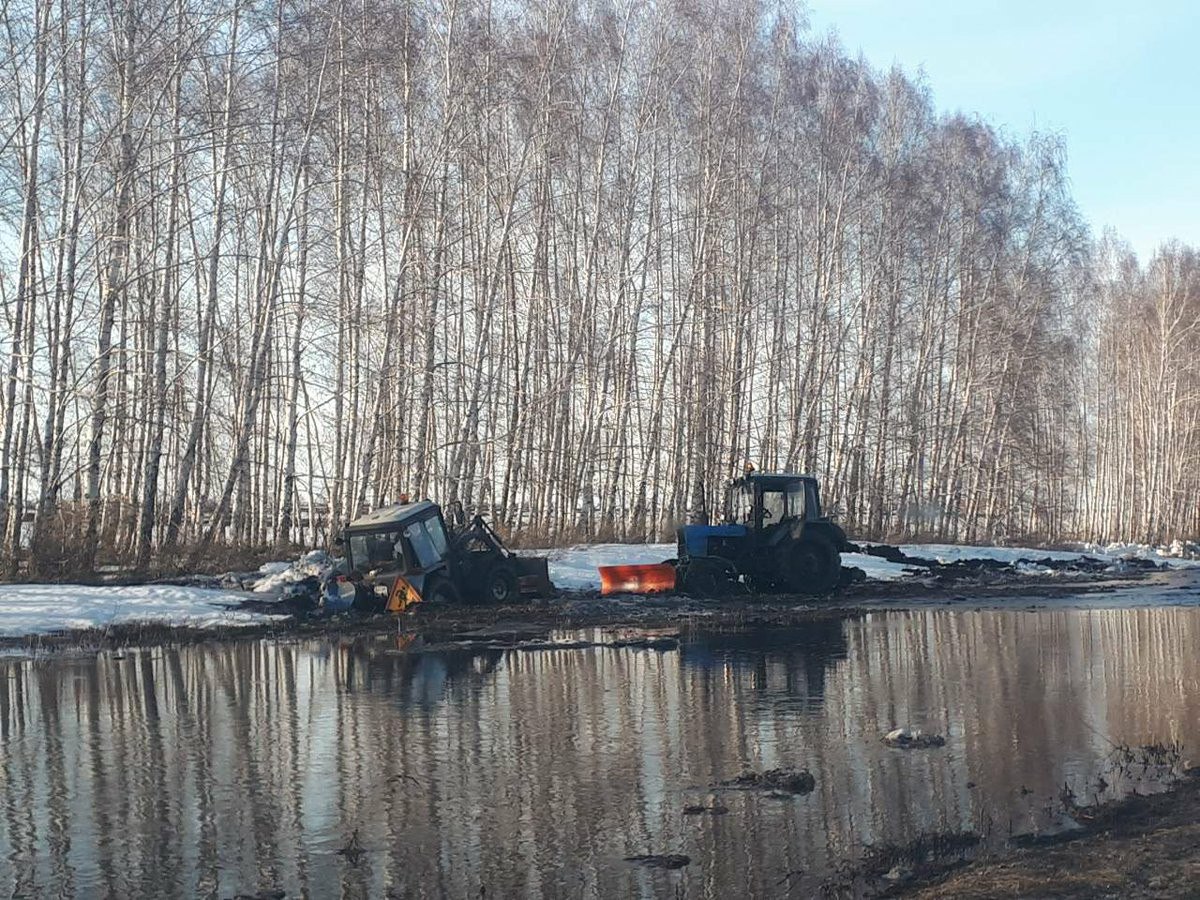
(949, 553)
(574, 568)
(47, 608)
(277, 575)
(1172, 556)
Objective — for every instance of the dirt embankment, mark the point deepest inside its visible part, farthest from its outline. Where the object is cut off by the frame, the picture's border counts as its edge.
(1139, 847)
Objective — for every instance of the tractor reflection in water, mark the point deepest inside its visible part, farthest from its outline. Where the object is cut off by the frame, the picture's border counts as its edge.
(789, 664)
(413, 678)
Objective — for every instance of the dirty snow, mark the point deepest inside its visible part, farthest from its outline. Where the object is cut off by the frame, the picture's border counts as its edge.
(277, 575)
(947, 553)
(574, 568)
(48, 608)
(950, 553)
(1176, 555)
(877, 569)
(571, 568)
(44, 609)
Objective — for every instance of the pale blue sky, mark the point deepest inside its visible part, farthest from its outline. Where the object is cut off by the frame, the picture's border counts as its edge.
(1119, 80)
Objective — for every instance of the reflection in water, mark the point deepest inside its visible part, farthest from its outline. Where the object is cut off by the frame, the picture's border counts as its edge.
(787, 664)
(217, 769)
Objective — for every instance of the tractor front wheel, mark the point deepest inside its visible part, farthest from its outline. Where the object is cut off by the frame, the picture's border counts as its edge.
(707, 578)
(811, 565)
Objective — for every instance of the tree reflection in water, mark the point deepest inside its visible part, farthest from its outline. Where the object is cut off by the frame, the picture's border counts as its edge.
(214, 769)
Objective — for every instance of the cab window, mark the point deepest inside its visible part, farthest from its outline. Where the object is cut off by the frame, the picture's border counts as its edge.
(795, 500)
(422, 544)
(369, 551)
(774, 506)
(437, 535)
(784, 504)
(743, 503)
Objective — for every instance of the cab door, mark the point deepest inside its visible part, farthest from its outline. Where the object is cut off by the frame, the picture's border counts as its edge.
(782, 510)
(389, 559)
(424, 548)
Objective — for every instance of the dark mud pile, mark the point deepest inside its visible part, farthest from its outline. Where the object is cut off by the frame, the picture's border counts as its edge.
(1139, 846)
(984, 570)
(774, 781)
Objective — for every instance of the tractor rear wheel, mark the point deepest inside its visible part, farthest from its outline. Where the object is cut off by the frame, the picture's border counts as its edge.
(500, 584)
(811, 565)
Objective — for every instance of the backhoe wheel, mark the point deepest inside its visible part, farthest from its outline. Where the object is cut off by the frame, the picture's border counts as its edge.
(500, 584)
(443, 593)
(811, 565)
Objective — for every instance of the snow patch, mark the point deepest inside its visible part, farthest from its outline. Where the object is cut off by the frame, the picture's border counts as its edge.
(951, 553)
(875, 568)
(575, 568)
(278, 575)
(1178, 555)
(48, 608)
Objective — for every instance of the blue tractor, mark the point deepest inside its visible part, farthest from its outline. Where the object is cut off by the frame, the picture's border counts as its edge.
(775, 538)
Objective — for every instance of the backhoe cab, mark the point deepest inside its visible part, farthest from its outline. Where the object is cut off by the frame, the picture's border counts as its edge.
(406, 554)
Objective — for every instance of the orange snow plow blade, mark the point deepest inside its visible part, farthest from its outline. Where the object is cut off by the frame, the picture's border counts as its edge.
(648, 579)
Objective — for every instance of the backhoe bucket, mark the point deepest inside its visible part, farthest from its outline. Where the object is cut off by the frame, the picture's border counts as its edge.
(534, 576)
(647, 579)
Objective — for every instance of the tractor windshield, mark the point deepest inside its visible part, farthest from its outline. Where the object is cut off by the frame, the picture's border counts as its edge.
(784, 503)
(774, 506)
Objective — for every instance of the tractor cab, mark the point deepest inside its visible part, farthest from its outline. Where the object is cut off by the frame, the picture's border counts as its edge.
(768, 501)
(774, 537)
(759, 508)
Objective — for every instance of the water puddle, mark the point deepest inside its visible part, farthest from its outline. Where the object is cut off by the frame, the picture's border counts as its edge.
(361, 769)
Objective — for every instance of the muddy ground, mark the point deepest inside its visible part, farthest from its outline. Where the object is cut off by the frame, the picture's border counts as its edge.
(531, 624)
(1132, 848)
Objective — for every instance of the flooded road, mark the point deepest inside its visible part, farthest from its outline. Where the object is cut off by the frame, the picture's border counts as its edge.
(326, 769)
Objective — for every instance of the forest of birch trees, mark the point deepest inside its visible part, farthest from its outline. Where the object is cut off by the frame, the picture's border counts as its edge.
(267, 263)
